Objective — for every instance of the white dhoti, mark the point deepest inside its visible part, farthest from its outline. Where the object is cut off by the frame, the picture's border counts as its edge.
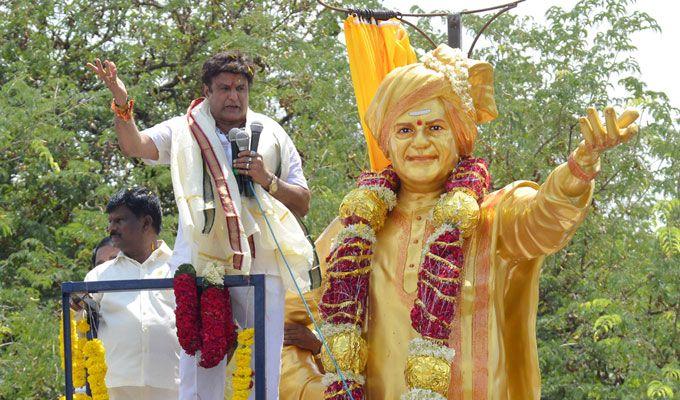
(198, 383)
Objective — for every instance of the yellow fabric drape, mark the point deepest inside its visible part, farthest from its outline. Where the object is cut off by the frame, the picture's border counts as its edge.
(374, 49)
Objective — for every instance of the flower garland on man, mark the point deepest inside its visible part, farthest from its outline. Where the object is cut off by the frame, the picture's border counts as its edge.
(465, 319)
(204, 325)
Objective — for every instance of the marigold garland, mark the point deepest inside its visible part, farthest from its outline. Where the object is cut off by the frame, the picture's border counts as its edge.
(241, 381)
(343, 306)
(95, 361)
(88, 357)
(77, 361)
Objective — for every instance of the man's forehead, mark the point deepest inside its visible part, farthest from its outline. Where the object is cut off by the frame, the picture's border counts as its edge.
(119, 211)
(229, 79)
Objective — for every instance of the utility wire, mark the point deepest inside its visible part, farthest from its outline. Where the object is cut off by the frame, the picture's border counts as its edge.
(381, 15)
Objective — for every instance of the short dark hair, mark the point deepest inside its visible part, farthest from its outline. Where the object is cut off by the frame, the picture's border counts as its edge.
(141, 201)
(102, 243)
(232, 61)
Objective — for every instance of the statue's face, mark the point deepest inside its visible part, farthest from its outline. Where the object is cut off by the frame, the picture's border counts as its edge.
(422, 147)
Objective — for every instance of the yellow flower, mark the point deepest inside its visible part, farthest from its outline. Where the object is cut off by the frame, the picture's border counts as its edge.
(242, 376)
(96, 367)
(83, 327)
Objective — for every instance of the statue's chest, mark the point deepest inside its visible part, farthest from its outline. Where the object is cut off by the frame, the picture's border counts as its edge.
(398, 251)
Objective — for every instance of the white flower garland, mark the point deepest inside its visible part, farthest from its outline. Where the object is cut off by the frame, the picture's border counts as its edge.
(355, 230)
(456, 73)
(422, 394)
(213, 273)
(425, 347)
(385, 194)
(329, 330)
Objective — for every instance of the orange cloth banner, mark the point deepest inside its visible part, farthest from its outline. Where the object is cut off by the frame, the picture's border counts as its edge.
(374, 49)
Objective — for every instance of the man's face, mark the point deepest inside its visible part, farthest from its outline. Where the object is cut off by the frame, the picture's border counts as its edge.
(422, 147)
(104, 254)
(126, 230)
(228, 97)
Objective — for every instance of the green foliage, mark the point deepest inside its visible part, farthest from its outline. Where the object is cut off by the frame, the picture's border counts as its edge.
(608, 317)
(659, 390)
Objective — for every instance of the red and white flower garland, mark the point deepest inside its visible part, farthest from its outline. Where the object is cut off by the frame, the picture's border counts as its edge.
(205, 325)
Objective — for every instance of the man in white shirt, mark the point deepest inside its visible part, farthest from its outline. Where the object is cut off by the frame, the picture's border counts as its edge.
(137, 328)
(275, 168)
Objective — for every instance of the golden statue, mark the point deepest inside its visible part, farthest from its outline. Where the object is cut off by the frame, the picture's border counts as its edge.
(431, 286)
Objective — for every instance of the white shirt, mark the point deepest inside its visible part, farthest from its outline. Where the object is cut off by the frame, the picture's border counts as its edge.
(138, 328)
(161, 135)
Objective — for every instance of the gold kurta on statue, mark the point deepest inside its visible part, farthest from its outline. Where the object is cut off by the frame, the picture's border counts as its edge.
(494, 328)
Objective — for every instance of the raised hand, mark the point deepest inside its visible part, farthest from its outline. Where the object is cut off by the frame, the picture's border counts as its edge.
(597, 138)
(108, 73)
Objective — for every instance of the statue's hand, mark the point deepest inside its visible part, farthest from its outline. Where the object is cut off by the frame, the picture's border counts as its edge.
(597, 138)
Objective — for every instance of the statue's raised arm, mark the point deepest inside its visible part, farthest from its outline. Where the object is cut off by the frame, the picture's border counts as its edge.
(540, 221)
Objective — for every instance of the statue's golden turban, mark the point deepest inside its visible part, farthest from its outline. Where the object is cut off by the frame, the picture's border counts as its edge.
(464, 85)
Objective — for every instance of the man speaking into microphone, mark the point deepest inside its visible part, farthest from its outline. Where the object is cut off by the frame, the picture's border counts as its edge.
(220, 223)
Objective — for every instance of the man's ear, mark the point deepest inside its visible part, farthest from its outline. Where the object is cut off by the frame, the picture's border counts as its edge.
(206, 90)
(147, 223)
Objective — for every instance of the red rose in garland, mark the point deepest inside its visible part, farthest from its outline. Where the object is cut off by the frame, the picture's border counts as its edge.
(213, 326)
(187, 316)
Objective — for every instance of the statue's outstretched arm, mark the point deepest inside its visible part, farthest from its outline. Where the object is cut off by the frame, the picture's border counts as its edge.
(540, 222)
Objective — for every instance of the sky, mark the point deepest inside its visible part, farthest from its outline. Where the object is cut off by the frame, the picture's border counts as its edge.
(658, 53)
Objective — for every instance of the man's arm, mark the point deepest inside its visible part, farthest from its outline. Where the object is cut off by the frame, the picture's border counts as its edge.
(131, 142)
(296, 198)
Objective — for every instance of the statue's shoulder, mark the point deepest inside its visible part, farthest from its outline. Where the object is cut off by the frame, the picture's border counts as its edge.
(512, 189)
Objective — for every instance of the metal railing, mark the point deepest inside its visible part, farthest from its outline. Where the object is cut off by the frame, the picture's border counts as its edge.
(257, 281)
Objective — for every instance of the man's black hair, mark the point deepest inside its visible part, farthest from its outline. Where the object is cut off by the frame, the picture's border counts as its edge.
(102, 243)
(141, 201)
(232, 61)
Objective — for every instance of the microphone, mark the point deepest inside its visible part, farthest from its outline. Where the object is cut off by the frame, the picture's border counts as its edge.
(256, 128)
(240, 141)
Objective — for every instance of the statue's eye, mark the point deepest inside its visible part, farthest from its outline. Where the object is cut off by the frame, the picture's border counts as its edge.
(436, 128)
(405, 130)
